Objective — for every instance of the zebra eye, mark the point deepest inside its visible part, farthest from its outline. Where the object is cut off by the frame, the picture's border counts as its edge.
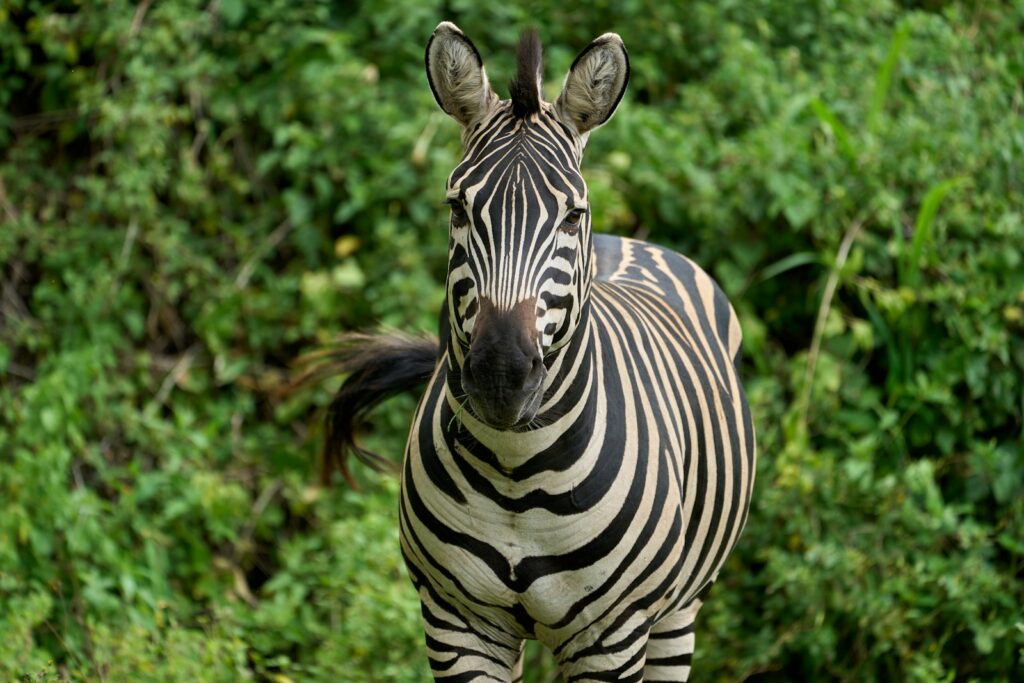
(571, 223)
(459, 216)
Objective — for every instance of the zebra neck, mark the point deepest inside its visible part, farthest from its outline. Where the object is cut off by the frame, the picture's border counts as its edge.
(559, 435)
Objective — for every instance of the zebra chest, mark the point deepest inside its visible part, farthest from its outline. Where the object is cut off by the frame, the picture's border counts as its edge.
(534, 559)
(545, 562)
(560, 545)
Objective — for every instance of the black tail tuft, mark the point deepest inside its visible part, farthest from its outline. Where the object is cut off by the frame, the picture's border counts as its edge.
(378, 367)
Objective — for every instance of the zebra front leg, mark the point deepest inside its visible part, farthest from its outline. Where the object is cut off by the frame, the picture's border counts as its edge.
(670, 646)
(517, 670)
(618, 653)
(458, 652)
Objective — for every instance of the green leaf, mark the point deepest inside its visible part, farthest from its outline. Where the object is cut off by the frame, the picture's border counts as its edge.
(788, 263)
(883, 77)
(233, 11)
(911, 265)
(839, 131)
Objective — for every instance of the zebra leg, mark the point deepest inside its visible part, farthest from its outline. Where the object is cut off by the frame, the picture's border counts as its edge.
(670, 646)
(517, 670)
(458, 652)
(617, 656)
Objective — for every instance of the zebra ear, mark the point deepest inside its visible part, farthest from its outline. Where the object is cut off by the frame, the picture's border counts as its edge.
(456, 75)
(594, 85)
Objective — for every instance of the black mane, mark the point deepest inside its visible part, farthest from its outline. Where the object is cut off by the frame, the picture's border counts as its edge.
(523, 88)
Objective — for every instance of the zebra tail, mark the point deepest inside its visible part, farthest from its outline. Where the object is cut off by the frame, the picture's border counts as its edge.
(379, 366)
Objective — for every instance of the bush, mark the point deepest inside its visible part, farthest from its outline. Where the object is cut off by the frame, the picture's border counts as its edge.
(193, 195)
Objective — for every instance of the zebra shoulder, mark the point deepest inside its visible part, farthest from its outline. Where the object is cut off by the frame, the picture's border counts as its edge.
(683, 284)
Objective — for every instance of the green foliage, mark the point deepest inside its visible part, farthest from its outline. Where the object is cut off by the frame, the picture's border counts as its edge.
(193, 194)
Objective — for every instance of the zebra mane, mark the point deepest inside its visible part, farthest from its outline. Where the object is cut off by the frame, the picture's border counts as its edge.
(525, 87)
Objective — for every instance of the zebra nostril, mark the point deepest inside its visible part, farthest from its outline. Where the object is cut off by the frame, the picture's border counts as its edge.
(536, 373)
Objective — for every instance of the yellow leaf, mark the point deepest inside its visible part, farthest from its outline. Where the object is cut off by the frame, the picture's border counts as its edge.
(346, 245)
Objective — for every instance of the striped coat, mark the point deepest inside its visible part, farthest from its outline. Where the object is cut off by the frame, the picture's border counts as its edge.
(582, 460)
(610, 521)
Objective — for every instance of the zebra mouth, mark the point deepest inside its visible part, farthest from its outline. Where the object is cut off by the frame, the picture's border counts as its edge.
(506, 412)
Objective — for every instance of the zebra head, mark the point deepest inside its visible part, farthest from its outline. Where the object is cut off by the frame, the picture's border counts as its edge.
(520, 255)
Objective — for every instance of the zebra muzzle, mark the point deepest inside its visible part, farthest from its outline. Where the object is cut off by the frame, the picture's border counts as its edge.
(503, 373)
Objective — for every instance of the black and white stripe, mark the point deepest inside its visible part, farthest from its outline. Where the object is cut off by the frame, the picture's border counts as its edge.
(518, 180)
(598, 531)
(582, 461)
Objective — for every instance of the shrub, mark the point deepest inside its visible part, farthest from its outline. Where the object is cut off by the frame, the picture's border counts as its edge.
(193, 195)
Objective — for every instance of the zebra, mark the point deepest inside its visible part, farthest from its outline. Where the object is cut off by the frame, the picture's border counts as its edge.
(582, 460)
